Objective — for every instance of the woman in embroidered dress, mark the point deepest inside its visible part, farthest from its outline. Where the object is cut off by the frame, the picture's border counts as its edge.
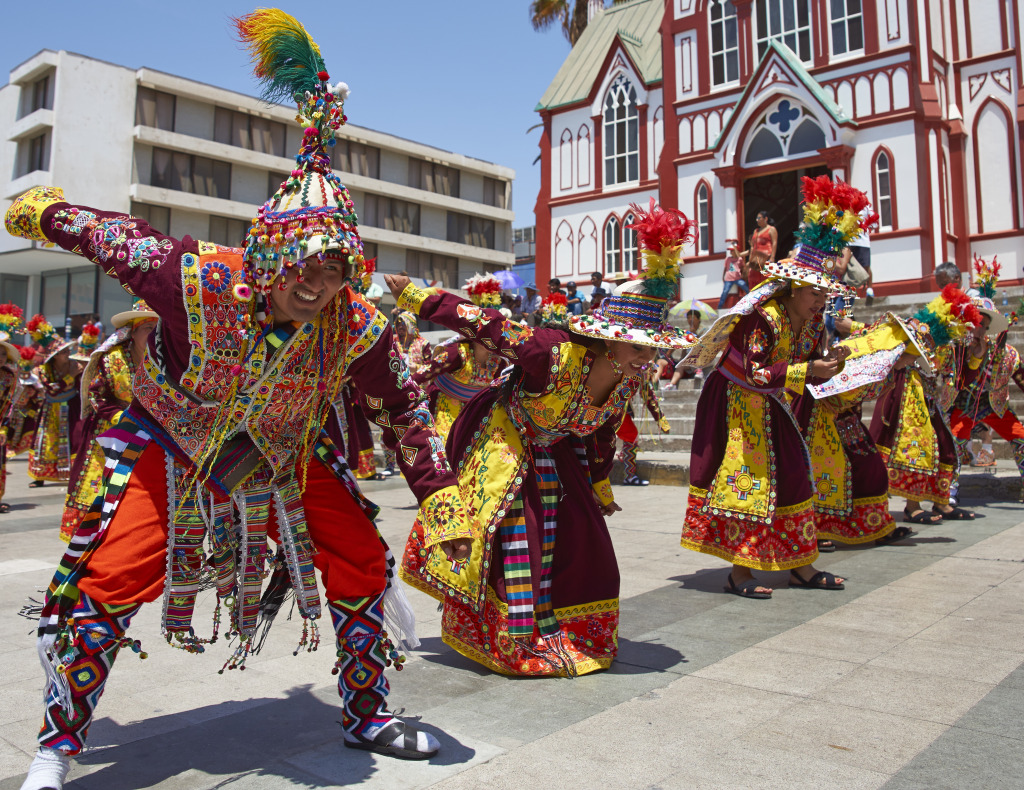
(746, 434)
(106, 390)
(910, 425)
(536, 592)
(10, 320)
(28, 400)
(458, 369)
(52, 455)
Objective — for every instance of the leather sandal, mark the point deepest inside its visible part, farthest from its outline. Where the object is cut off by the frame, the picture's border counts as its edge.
(747, 590)
(822, 580)
(898, 534)
(956, 514)
(411, 746)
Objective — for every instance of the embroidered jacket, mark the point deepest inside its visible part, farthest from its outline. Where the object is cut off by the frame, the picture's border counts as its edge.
(990, 375)
(187, 386)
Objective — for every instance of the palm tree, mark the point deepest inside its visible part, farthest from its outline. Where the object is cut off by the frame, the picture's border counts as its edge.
(570, 14)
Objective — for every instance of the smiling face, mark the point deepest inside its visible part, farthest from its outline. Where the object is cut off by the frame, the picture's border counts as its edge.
(303, 301)
(633, 358)
(806, 302)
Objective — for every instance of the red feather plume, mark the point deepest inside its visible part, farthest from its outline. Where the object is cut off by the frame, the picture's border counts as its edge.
(661, 228)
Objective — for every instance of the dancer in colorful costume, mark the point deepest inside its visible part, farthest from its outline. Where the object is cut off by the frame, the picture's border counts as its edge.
(539, 592)
(227, 440)
(53, 453)
(106, 390)
(629, 434)
(988, 370)
(910, 425)
(10, 320)
(459, 369)
(416, 355)
(28, 400)
(741, 508)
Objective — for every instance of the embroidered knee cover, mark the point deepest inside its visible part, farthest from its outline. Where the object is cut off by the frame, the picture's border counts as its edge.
(98, 636)
(364, 650)
(628, 457)
(1018, 456)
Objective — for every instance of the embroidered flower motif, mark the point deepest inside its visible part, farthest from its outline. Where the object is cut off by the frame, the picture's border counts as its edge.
(507, 454)
(216, 277)
(471, 313)
(442, 510)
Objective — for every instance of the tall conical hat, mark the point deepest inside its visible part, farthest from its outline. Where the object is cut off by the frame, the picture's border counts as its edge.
(637, 311)
(311, 212)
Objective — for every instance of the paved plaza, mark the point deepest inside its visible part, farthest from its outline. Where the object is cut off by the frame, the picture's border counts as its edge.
(910, 678)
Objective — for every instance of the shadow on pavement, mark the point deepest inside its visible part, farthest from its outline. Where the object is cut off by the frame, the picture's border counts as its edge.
(434, 650)
(297, 739)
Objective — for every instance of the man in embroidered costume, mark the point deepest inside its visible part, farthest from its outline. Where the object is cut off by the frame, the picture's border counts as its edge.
(538, 594)
(28, 400)
(988, 370)
(53, 453)
(106, 390)
(911, 426)
(740, 508)
(229, 432)
(459, 368)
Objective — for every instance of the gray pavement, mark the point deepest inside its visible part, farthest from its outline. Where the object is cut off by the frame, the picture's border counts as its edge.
(910, 678)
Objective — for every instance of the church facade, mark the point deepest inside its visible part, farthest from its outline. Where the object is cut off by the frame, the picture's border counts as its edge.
(719, 106)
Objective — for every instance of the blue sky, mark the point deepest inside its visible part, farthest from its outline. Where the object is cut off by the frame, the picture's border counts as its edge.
(463, 75)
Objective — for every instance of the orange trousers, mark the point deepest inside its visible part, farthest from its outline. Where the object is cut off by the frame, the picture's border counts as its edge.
(1007, 426)
(130, 565)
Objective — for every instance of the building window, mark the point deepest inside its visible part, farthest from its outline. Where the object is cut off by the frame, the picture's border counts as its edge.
(433, 177)
(440, 270)
(847, 26)
(629, 251)
(227, 231)
(613, 245)
(154, 108)
(369, 250)
(33, 154)
(785, 21)
(475, 231)
(42, 99)
(188, 173)
(356, 158)
(725, 48)
(157, 217)
(883, 190)
(390, 214)
(14, 289)
(786, 129)
(251, 132)
(495, 192)
(621, 134)
(703, 214)
(524, 235)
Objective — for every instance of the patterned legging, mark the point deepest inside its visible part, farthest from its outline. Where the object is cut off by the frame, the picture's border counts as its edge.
(1008, 426)
(628, 457)
(364, 650)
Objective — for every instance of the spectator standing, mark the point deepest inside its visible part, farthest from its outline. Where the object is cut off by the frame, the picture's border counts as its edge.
(732, 274)
(860, 248)
(764, 242)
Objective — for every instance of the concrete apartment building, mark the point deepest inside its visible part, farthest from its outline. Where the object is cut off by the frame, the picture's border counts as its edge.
(197, 160)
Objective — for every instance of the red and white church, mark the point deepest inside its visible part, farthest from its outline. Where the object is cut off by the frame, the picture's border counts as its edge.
(718, 106)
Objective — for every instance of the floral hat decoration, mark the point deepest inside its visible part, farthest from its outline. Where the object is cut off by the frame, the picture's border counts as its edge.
(311, 212)
(10, 320)
(986, 278)
(43, 334)
(88, 341)
(637, 311)
(832, 219)
(140, 312)
(484, 290)
(945, 319)
(26, 359)
(554, 309)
